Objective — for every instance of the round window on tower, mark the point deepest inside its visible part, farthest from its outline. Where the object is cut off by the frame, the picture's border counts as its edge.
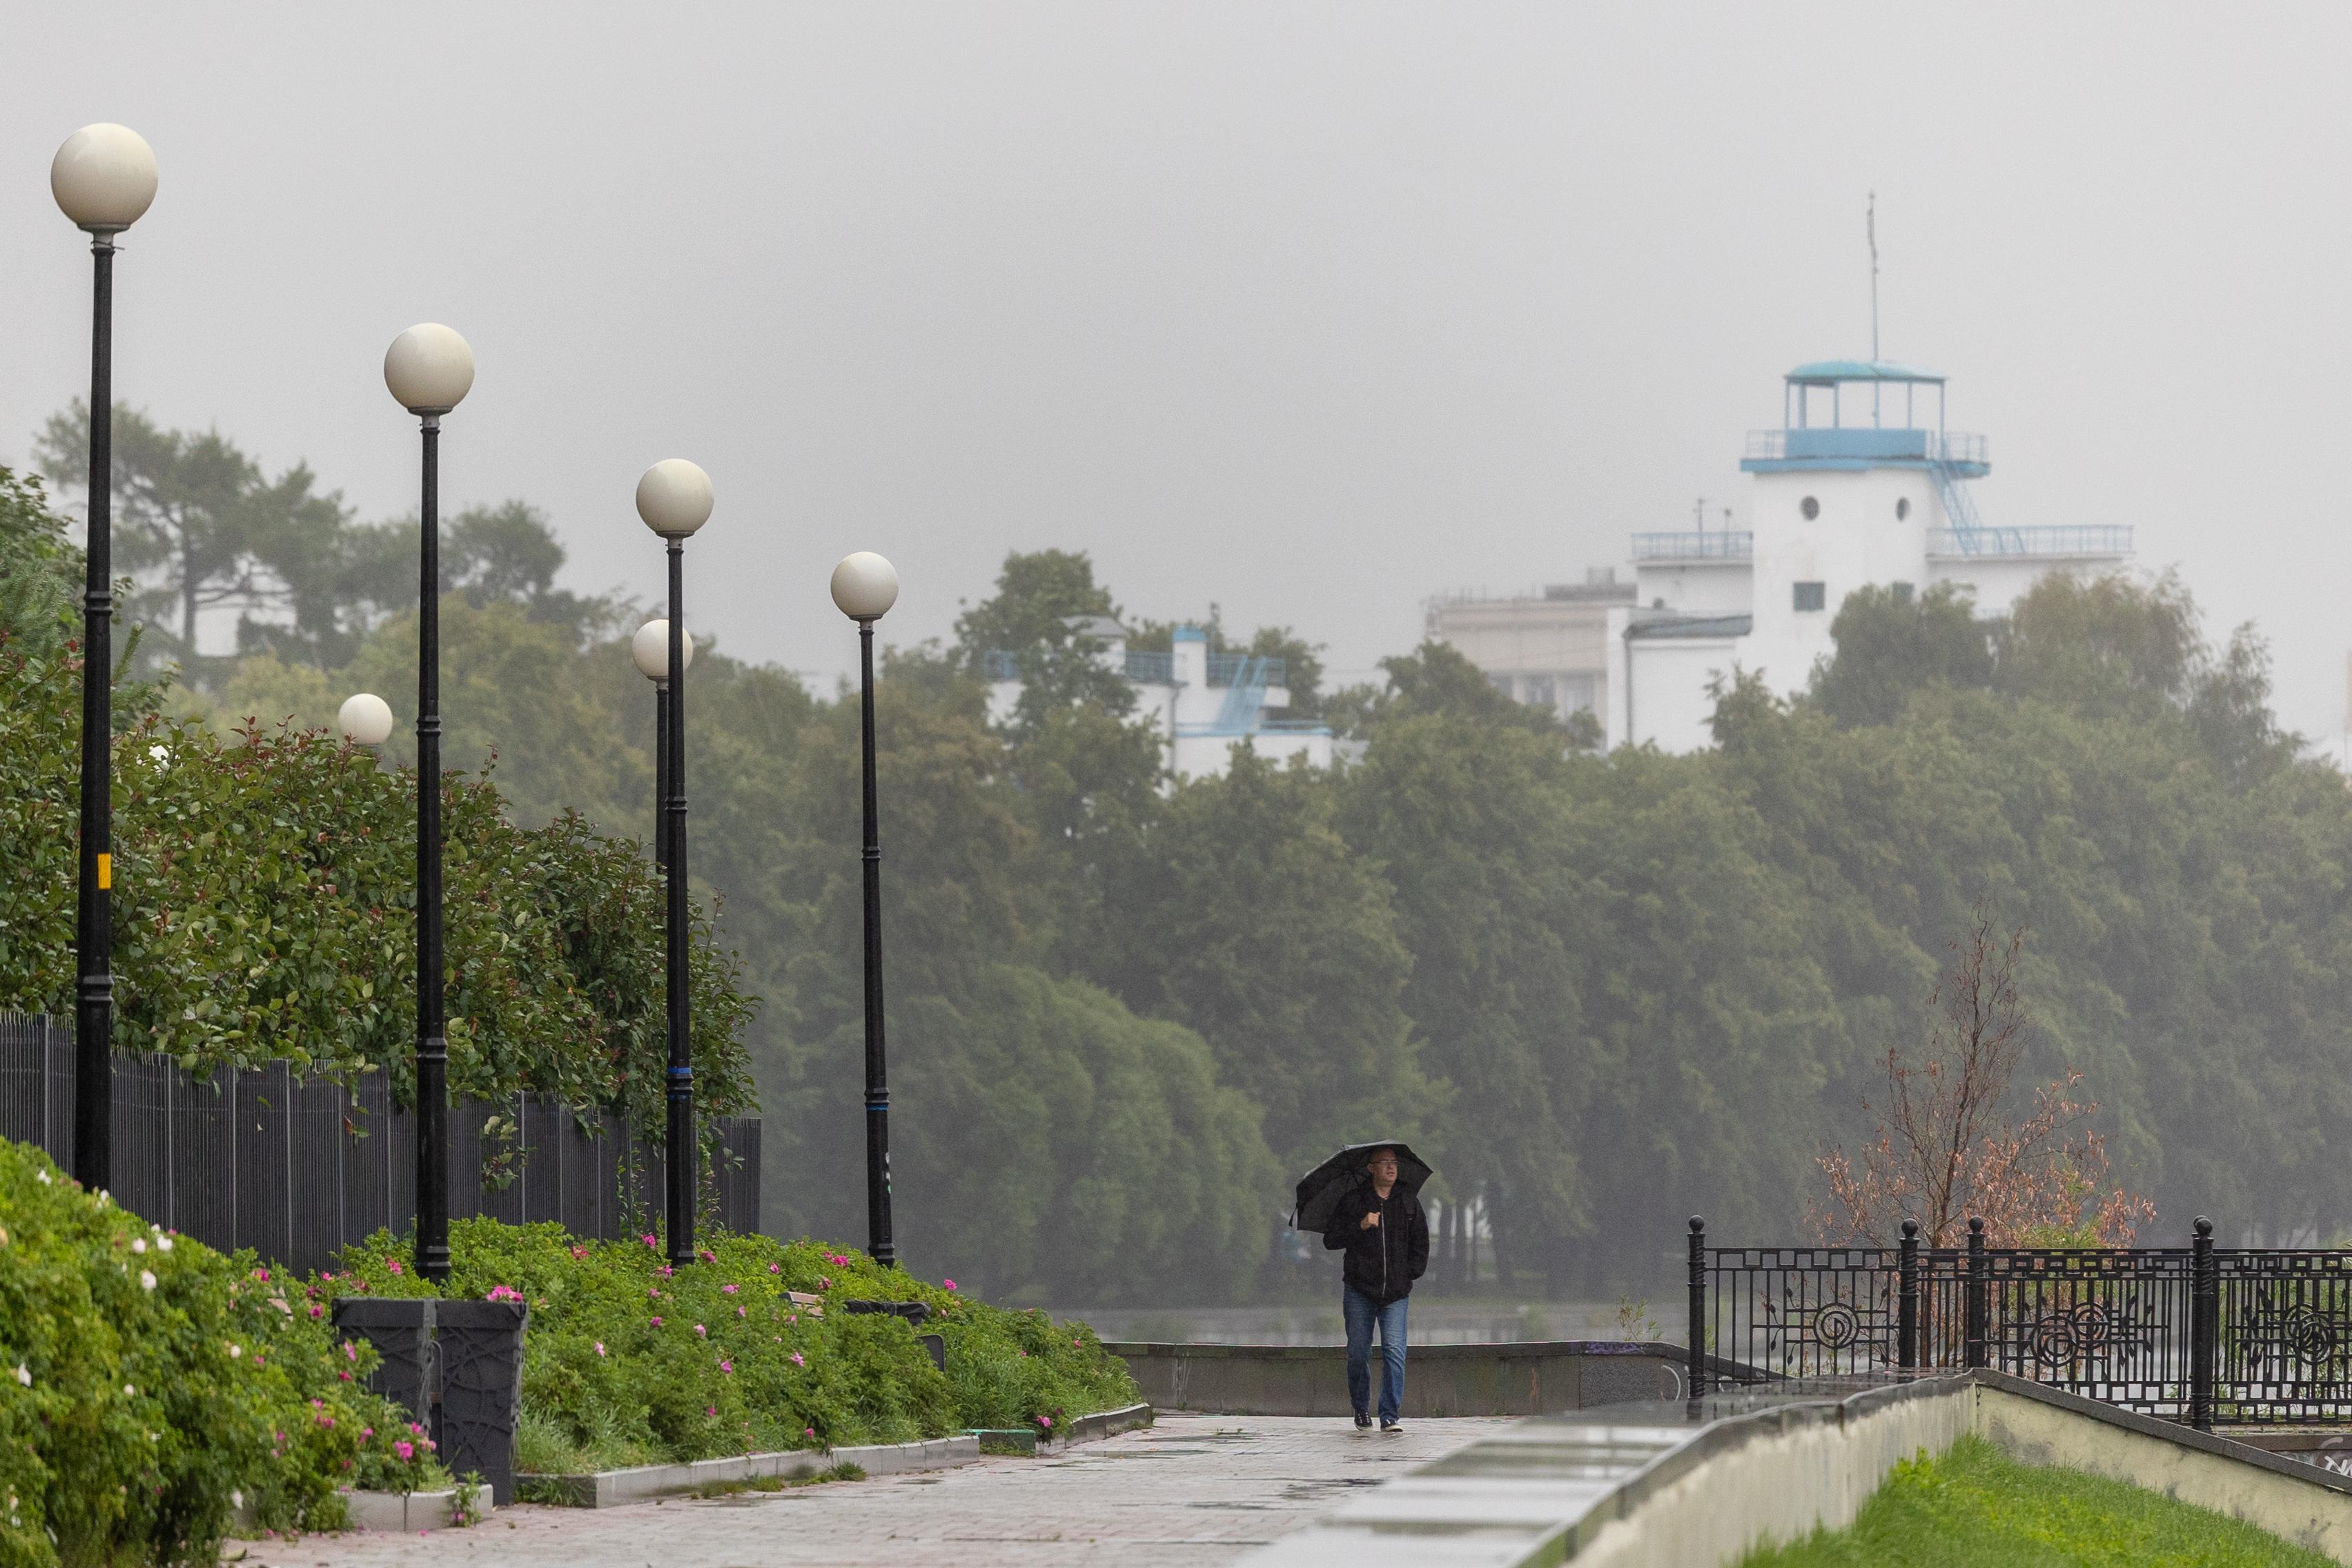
(1902, 508)
(1810, 508)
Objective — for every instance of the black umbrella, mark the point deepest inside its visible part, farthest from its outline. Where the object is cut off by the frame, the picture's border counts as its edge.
(1320, 1189)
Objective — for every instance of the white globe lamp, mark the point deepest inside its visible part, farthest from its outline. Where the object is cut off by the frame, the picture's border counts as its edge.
(103, 177)
(365, 719)
(649, 649)
(674, 498)
(864, 586)
(429, 369)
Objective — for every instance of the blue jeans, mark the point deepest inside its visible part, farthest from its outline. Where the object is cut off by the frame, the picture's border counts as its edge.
(1362, 1313)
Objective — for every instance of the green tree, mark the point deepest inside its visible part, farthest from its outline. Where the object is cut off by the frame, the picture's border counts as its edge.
(1890, 644)
(197, 512)
(1044, 619)
(1245, 917)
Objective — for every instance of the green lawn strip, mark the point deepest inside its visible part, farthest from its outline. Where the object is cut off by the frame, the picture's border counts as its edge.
(1977, 1506)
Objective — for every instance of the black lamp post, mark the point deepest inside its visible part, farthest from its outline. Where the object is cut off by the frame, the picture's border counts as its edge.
(429, 370)
(864, 586)
(649, 651)
(673, 498)
(103, 179)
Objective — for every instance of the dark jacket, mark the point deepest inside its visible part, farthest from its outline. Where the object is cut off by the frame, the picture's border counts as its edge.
(1384, 1261)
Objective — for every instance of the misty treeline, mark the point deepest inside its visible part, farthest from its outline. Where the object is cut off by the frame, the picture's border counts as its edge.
(1601, 993)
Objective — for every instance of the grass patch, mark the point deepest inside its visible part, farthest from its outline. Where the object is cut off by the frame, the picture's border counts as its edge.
(1976, 1506)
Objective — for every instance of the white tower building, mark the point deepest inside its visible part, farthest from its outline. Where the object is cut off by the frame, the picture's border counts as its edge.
(1862, 484)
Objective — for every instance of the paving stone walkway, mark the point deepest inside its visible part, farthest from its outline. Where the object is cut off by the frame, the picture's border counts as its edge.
(1191, 1491)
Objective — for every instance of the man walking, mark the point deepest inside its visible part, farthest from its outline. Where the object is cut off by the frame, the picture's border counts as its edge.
(1386, 1238)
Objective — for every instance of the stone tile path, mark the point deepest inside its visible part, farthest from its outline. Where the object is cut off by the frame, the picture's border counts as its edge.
(1192, 1490)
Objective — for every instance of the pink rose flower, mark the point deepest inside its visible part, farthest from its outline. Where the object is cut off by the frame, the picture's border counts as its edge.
(797, 1360)
(726, 1366)
(405, 1449)
(700, 1332)
(949, 1283)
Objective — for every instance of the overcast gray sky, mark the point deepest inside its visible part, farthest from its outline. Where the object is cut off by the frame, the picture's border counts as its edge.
(1309, 309)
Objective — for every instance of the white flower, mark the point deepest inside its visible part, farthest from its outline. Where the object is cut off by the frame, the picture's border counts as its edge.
(43, 1176)
(164, 1244)
(160, 753)
(127, 1389)
(237, 1499)
(234, 1352)
(24, 1374)
(146, 1280)
(137, 1243)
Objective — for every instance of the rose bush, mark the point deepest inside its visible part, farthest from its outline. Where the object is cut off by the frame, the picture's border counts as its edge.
(629, 1361)
(154, 1387)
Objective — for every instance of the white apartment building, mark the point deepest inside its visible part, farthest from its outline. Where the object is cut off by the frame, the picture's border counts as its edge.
(1862, 484)
(1202, 704)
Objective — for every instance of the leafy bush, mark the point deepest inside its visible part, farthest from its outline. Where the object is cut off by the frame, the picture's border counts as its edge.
(628, 1362)
(151, 1387)
(265, 907)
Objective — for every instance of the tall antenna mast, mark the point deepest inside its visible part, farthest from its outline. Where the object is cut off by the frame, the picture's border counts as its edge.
(1870, 227)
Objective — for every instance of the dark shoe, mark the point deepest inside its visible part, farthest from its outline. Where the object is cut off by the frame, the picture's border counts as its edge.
(1392, 1429)
(1363, 1422)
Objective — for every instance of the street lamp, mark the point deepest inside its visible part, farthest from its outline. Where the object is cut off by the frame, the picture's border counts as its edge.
(365, 719)
(673, 498)
(429, 370)
(103, 179)
(864, 586)
(649, 651)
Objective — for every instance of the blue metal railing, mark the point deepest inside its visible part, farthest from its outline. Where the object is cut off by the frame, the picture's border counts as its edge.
(1240, 670)
(2086, 538)
(1160, 669)
(1867, 441)
(1692, 544)
(1151, 668)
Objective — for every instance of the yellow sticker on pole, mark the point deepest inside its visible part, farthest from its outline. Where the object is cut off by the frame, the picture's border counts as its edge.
(106, 871)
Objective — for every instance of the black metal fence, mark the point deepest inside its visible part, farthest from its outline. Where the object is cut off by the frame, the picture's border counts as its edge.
(2208, 1335)
(297, 1170)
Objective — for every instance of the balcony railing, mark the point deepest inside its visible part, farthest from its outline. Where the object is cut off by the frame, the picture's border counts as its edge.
(1224, 669)
(2089, 539)
(1694, 544)
(1867, 441)
(1156, 669)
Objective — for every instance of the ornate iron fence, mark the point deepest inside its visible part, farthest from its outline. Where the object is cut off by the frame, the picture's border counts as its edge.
(2207, 1335)
(298, 1169)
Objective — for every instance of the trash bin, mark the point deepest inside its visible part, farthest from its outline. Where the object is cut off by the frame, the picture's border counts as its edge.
(456, 1367)
(914, 1313)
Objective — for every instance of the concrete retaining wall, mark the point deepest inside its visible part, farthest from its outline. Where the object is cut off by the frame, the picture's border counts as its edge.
(1771, 1476)
(1665, 1483)
(1540, 1378)
(2292, 1499)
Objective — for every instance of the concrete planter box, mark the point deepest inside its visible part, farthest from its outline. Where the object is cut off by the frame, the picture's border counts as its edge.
(643, 1483)
(407, 1512)
(1100, 1424)
(609, 1488)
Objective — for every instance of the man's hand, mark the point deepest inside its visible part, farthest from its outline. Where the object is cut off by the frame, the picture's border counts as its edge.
(1370, 1220)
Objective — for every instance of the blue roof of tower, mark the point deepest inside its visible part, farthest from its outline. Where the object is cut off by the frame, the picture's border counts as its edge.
(1830, 371)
